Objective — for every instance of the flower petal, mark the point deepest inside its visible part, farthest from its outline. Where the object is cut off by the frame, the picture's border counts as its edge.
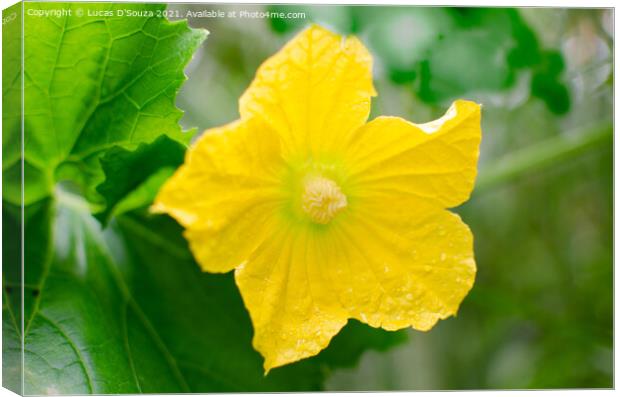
(314, 92)
(221, 249)
(398, 267)
(292, 307)
(434, 162)
(224, 191)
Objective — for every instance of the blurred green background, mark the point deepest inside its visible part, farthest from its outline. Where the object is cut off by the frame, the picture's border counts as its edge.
(540, 313)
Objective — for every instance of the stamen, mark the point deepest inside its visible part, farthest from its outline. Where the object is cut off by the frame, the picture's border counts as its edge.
(322, 199)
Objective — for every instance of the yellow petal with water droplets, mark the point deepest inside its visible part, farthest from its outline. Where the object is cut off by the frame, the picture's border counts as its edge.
(315, 91)
(291, 304)
(225, 192)
(400, 267)
(435, 162)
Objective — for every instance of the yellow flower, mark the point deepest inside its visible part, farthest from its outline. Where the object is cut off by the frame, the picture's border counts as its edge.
(322, 216)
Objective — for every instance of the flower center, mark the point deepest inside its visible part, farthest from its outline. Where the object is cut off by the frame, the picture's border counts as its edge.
(322, 199)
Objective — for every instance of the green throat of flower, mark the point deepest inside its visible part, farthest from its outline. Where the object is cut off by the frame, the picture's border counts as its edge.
(322, 199)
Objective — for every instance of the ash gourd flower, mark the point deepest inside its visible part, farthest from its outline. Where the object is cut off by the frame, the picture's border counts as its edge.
(322, 216)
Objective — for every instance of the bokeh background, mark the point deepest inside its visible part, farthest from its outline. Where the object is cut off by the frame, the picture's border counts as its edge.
(540, 313)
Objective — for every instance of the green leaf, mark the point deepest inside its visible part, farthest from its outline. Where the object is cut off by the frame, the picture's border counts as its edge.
(11, 102)
(126, 170)
(474, 56)
(20, 294)
(11, 351)
(143, 195)
(127, 310)
(547, 83)
(93, 82)
(403, 39)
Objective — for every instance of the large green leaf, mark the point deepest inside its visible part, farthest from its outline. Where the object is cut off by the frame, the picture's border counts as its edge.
(93, 81)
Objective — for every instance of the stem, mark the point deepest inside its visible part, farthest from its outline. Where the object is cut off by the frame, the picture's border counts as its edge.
(549, 152)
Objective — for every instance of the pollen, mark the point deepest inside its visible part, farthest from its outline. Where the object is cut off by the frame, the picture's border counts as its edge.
(322, 199)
